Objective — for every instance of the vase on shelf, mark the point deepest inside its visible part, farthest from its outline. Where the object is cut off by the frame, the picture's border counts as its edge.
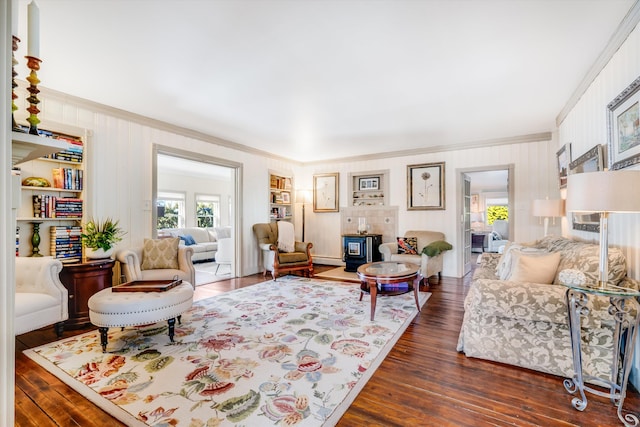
(99, 253)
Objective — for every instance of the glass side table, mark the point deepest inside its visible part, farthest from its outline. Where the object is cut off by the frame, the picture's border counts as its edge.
(625, 309)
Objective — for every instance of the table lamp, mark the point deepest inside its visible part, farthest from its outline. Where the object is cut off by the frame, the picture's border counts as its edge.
(548, 209)
(477, 220)
(604, 192)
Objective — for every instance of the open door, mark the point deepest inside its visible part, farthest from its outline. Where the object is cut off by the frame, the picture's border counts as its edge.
(466, 222)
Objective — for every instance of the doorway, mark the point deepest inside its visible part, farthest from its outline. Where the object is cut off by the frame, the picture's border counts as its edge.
(487, 195)
(195, 190)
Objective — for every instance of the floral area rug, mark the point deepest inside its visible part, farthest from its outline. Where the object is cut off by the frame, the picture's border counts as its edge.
(292, 352)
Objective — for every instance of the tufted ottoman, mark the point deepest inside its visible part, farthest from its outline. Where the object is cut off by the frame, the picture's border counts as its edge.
(109, 309)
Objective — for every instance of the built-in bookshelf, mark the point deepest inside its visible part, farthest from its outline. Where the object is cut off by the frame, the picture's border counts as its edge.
(280, 197)
(51, 188)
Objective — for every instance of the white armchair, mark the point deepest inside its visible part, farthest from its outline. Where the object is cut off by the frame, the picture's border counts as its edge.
(224, 256)
(429, 266)
(131, 264)
(41, 298)
(499, 237)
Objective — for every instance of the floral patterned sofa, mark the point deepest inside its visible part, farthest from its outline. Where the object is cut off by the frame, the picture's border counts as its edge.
(525, 324)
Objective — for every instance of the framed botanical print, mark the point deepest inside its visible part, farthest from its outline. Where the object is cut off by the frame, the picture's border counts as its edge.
(623, 122)
(325, 192)
(425, 186)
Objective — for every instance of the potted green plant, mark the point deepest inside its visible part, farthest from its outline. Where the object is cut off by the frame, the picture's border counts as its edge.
(99, 237)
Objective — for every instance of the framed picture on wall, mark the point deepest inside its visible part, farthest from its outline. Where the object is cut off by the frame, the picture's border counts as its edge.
(591, 161)
(425, 186)
(564, 159)
(325, 192)
(369, 183)
(623, 123)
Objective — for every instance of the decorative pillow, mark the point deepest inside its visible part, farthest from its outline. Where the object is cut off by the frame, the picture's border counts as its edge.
(160, 253)
(535, 268)
(495, 236)
(188, 239)
(436, 248)
(503, 268)
(408, 245)
(571, 276)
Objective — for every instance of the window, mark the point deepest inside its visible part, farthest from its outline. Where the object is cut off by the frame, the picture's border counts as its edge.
(207, 210)
(497, 209)
(171, 211)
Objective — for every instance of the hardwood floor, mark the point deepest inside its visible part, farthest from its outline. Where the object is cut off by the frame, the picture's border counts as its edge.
(423, 381)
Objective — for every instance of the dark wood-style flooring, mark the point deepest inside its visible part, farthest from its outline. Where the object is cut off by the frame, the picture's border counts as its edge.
(423, 381)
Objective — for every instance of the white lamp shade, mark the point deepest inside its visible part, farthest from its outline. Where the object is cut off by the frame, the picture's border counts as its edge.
(548, 208)
(303, 196)
(608, 191)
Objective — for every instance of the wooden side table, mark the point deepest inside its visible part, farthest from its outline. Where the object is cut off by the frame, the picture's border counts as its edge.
(82, 280)
(389, 278)
(625, 309)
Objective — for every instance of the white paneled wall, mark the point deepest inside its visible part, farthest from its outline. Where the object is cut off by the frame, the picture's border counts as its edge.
(586, 126)
(535, 177)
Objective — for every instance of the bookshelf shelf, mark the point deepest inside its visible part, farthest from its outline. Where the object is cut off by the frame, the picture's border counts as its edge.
(58, 158)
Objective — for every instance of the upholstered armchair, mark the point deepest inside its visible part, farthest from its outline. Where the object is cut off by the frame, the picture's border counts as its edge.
(157, 260)
(429, 265)
(41, 299)
(499, 236)
(275, 260)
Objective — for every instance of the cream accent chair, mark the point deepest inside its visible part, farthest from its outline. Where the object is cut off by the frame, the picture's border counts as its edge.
(429, 266)
(41, 298)
(276, 261)
(131, 262)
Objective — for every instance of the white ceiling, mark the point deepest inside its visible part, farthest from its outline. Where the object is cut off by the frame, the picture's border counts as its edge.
(314, 80)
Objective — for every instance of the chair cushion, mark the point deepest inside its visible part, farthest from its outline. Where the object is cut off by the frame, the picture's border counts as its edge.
(407, 245)
(160, 253)
(289, 257)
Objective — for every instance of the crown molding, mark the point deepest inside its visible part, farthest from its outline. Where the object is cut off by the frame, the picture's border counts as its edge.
(533, 137)
(625, 28)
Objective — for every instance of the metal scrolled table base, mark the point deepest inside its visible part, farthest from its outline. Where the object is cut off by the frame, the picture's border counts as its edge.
(577, 299)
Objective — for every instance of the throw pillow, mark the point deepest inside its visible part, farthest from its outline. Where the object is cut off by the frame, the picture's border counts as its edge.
(408, 245)
(188, 239)
(160, 253)
(535, 268)
(495, 235)
(503, 268)
(436, 248)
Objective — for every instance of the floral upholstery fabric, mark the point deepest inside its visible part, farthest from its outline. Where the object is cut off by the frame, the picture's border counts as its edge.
(525, 324)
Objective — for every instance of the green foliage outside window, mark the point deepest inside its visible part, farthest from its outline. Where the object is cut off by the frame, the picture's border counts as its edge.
(497, 212)
(170, 217)
(204, 214)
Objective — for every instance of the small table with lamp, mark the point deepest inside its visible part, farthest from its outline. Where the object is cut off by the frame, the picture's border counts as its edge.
(625, 309)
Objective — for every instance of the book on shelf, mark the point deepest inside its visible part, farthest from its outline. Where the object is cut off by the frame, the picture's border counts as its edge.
(393, 287)
(66, 243)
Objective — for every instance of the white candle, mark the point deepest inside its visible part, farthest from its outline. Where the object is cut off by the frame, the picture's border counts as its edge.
(33, 38)
(14, 17)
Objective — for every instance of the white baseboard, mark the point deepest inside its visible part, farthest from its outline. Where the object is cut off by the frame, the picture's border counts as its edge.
(328, 261)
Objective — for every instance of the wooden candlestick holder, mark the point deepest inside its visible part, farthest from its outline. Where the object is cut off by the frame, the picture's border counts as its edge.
(33, 64)
(14, 85)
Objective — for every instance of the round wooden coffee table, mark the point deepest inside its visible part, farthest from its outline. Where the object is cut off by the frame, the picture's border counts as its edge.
(388, 278)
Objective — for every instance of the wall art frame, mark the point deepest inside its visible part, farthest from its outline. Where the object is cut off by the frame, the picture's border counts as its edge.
(326, 194)
(426, 186)
(591, 161)
(371, 183)
(563, 157)
(623, 128)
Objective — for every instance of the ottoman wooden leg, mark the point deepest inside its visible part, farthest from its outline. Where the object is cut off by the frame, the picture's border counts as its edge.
(172, 324)
(103, 338)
